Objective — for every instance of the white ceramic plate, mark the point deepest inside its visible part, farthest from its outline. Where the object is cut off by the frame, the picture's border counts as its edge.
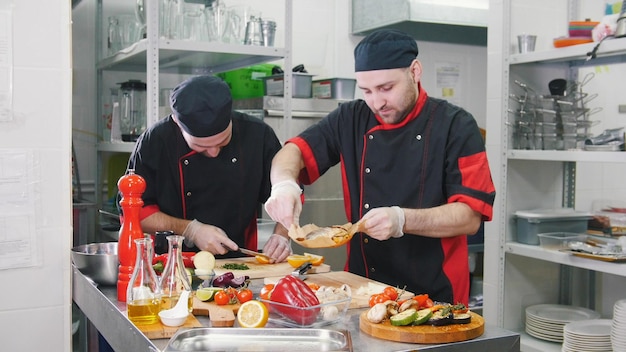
(556, 313)
(589, 328)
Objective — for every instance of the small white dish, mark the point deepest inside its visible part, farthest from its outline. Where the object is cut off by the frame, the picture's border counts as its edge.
(169, 318)
(178, 315)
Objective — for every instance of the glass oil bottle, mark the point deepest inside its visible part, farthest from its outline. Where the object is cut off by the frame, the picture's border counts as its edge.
(143, 297)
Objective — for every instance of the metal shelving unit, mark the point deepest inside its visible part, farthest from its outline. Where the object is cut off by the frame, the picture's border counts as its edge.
(518, 275)
(153, 56)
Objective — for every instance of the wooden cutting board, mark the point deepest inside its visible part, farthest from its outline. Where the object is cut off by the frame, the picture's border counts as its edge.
(220, 316)
(260, 271)
(160, 331)
(426, 334)
(338, 278)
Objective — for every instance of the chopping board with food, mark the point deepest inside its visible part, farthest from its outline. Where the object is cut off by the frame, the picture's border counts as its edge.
(160, 331)
(220, 316)
(361, 288)
(249, 266)
(426, 333)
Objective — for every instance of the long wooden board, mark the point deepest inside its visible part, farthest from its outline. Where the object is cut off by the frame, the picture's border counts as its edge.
(260, 271)
(160, 331)
(426, 334)
(338, 278)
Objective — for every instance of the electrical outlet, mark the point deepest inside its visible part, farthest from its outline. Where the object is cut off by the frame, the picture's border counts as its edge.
(621, 109)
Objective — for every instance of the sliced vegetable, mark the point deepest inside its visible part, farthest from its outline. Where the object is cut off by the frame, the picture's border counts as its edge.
(228, 279)
(224, 279)
(463, 318)
(405, 318)
(204, 260)
(422, 316)
(441, 317)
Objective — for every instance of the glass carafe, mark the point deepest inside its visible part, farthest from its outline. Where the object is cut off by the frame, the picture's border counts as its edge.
(143, 297)
(175, 279)
(133, 116)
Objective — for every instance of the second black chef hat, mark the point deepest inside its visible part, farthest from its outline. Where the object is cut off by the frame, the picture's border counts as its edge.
(385, 49)
(203, 105)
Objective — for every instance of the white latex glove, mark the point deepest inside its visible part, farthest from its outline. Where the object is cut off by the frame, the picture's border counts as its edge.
(278, 248)
(284, 204)
(384, 223)
(209, 238)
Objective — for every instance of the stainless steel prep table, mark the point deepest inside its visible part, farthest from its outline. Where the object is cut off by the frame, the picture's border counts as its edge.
(100, 306)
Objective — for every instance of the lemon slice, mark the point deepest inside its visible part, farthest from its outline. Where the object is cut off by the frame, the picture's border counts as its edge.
(315, 259)
(295, 260)
(252, 314)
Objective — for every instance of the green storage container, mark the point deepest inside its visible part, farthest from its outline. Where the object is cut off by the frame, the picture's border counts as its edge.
(247, 82)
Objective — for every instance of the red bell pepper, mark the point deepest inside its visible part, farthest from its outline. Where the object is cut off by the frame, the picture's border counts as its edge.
(296, 298)
(187, 259)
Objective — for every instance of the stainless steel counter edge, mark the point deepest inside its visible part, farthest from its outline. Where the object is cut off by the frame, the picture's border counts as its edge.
(106, 316)
(101, 307)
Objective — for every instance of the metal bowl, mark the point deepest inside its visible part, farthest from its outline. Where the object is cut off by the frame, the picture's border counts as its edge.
(98, 261)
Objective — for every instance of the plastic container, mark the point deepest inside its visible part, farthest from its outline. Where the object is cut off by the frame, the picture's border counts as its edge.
(274, 85)
(559, 240)
(531, 223)
(326, 313)
(247, 82)
(334, 88)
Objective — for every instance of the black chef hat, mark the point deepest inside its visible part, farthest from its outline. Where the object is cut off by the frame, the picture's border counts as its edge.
(203, 105)
(385, 49)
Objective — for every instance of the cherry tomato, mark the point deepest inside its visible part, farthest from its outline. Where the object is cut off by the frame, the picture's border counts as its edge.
(266, 291)
(391, 292)
(421, 300)
(244, 295)
(221, 298)
(428, 304)
(378, 298)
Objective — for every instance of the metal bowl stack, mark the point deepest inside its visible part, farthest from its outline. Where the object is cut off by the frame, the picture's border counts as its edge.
(98, 261)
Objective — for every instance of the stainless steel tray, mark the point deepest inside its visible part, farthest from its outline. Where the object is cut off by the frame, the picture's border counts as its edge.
(264, 339)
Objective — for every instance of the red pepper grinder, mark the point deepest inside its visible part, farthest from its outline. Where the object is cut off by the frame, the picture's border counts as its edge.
(132, 187)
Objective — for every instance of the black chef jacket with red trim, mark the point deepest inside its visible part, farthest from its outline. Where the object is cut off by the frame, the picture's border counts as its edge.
(435, 156)
(226, 191)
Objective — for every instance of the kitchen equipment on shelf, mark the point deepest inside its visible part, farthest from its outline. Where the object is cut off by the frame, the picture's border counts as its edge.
(132, 114)
(143, 296)
(254, 31)
(620, 29)
(98, 261)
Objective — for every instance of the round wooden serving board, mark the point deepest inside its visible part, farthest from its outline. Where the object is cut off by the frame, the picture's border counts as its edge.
(424, 333)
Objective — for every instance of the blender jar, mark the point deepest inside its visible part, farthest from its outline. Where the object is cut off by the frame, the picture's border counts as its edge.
(133, 119)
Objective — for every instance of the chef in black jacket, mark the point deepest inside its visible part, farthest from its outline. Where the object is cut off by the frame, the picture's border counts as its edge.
(414, 173)
(207, 171)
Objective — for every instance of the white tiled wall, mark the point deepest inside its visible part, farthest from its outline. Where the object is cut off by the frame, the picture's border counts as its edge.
(35, 313)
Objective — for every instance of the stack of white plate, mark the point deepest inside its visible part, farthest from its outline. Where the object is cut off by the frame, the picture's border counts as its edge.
(546, 321)
(618, 327)
(587, 335)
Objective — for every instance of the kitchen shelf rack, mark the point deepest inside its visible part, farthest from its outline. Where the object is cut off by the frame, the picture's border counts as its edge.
(153, 56)
(519, 275)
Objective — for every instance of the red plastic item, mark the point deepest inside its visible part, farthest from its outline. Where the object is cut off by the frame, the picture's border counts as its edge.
(132, 187)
